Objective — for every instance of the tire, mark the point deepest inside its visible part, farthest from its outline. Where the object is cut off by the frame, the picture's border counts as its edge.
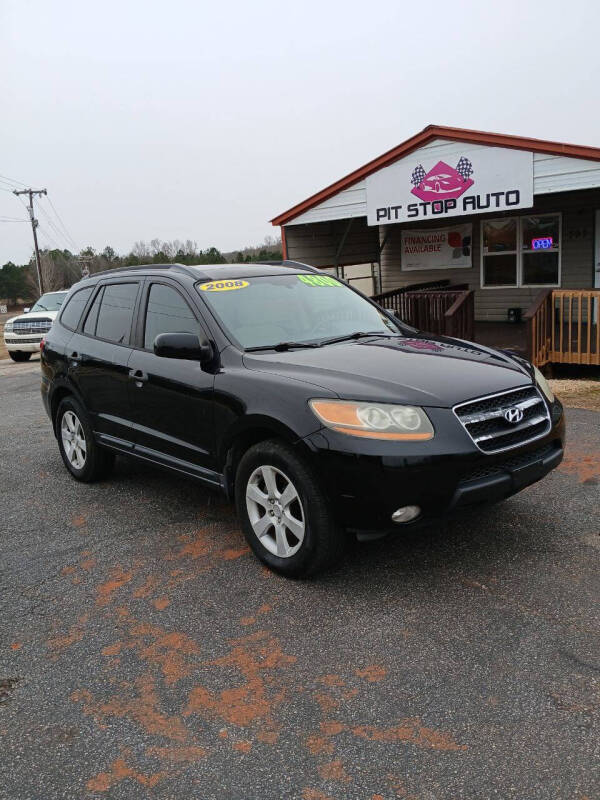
(87, 461)
(299, 535)
(19, 355)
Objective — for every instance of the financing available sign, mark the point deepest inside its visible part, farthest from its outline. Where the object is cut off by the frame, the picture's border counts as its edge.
(477, 181)
(439, 248)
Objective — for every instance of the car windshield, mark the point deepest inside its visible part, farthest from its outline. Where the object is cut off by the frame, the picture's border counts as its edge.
(289, 310)
(50, 302)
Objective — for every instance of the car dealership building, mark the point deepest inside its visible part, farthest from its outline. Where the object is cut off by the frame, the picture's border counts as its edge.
(513, 221)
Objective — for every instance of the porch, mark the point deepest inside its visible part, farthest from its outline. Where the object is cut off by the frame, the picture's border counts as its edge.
(561, 326)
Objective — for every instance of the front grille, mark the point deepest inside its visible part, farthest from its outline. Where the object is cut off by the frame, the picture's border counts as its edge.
(25, 327)
(484, 419)
(513, 462)
(23, 340)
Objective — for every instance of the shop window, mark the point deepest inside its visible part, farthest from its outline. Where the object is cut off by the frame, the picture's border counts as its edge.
(499, 248)
(540, 242)
(536, 262)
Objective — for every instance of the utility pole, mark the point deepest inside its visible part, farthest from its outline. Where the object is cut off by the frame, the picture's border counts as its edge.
(34, 224)
(84, 262)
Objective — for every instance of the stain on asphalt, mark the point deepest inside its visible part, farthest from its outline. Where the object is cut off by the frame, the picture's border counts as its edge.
(157, 658)
(583, 462)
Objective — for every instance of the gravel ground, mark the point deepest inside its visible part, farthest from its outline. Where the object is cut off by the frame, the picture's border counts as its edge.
(578, 393)
(144, 653)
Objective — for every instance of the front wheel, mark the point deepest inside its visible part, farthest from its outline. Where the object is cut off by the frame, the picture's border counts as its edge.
(19, 355)
(284, 512)
(84, 459)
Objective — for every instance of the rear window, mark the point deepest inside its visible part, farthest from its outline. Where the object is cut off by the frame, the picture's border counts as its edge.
(115, 313)
(72, 312)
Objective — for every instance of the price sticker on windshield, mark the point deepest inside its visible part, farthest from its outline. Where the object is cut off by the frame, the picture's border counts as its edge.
(319, 280)
(223, 286)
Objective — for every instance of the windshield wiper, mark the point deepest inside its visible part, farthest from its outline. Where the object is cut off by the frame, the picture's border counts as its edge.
(358, 335)
(282, 346)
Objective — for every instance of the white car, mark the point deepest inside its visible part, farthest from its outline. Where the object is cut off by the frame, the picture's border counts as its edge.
(23, 334)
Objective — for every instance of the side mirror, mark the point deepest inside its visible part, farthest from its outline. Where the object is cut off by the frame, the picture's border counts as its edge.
(27, 310)
(183, 345)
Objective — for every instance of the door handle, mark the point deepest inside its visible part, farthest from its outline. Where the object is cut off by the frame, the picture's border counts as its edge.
(138, 376)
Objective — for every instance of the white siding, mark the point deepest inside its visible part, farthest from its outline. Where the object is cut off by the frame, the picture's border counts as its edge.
(550, 174)
(348, 203)
(560, 174)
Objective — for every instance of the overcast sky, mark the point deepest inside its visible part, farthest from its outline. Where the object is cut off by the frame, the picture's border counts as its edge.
(204, 120)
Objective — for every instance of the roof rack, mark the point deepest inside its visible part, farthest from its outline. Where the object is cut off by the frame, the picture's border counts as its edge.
(188, 270)
(288, 263)
(181, 267)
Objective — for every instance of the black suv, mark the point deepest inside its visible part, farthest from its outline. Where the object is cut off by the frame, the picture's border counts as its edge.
(312, 407)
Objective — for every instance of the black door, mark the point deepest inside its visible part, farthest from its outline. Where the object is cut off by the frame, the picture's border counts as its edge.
(172, 398)
(98, 354)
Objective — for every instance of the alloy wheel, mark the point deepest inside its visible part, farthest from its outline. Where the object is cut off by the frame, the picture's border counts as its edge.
(275, 511)
(73, 439)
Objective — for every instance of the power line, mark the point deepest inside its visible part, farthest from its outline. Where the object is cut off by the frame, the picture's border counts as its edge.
(49, 238)
(12, 180)
(64, 233)
(64, 227)
(12, 219)
(53, 226)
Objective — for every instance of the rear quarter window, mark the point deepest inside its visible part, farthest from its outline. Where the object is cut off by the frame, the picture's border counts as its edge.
(72, 311)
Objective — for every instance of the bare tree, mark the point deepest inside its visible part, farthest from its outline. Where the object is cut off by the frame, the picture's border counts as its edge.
(140, 250)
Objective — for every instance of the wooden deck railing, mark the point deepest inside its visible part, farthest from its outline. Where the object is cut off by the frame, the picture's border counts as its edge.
(563, 327)
(437, 307)
(391, 300)
(538, 321)
(460, 317)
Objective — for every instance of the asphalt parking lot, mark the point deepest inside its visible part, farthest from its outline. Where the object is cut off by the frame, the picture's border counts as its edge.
(144, 653)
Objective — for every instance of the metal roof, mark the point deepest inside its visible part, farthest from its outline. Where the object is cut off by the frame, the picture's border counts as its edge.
(424, 137)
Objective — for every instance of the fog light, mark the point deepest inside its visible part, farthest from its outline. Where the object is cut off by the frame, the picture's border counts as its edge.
(406, 514)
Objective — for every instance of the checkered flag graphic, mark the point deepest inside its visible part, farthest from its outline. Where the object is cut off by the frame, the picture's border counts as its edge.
(464, 168)
(418, 175)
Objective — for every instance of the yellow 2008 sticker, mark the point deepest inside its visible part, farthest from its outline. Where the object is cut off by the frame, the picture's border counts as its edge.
(223, 286)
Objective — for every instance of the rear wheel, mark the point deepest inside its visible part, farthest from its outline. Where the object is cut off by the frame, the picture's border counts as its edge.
(284, 512)
(19, 355)
(84, 459)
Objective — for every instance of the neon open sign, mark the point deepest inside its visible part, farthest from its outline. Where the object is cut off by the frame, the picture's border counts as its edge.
(542, 243)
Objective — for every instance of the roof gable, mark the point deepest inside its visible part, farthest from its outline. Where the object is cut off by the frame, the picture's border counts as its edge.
(424, 137)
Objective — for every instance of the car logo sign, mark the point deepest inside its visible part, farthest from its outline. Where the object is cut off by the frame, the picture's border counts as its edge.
(513, 415)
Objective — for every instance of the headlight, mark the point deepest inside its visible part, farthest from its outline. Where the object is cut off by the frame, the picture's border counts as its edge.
(543, 385)
(8, 327)
(374, 420)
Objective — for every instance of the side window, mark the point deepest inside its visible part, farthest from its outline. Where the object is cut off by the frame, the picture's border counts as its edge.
(72, 311)
(116, 312)
(89, 326)
(167, 312)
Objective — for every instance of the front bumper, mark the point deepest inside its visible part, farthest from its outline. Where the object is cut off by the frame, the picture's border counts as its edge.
(365, 488)
(23, 344)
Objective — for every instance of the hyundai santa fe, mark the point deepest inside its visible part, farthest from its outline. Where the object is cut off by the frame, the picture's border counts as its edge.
(312, 408)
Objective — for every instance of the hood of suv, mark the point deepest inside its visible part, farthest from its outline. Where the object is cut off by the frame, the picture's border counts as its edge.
(429, 372)
(32, 315)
